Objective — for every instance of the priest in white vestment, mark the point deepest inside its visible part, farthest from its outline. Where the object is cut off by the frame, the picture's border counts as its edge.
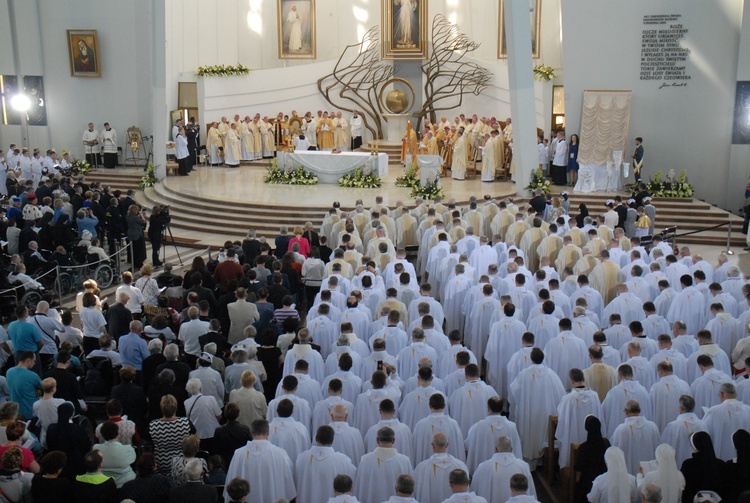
(488, 160)
(460, 156)
(572, 412)
(604, 277)
(479, 315)
(286, 432)
(504, 341)
(491, 479)
(565, 352)
(453, 296)
(688, 306)
(431, 475)
(721, 421)
(533, 398)
(302, 410)
(665, 395)
(669, 354)
(678, 432)
(483, 256)
(483, 435)
(636, 436)
(378, 470)
(266, 467)
(303, 351)
(468, 404)
(347, 439)
(459, 482)
(705, 388)
(415, 405)
(323, 409)
(388, 418)
(316, 468)
(725, 329)
(530, 242)
(408, 358)
(366, 408)
(232, 147)
(626, 304)
(707, 346)
(613, 405)
(437, 421)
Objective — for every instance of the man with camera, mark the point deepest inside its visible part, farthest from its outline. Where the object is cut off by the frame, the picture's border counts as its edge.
(158, 222)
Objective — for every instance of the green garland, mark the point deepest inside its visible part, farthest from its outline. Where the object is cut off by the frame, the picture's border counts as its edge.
(149, 179)
(538, 182)
(672, 187)
(431, 190)
(298, 176)
(544, 72)
(360, 180)
(222, 70)
(410, 178)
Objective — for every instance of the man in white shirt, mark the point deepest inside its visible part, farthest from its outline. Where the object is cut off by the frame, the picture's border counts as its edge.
(136, 296)
(190, 333)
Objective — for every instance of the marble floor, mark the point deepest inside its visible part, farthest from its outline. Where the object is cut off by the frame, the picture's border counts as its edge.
(245, 184)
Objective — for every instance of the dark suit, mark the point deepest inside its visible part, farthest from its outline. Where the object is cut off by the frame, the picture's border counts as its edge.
(193, 492)
(133, 400)
(118, 321)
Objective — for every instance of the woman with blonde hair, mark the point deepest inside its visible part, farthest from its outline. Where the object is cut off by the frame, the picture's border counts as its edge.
(304, 244)
(148, 286)
(190, 447)
(167, 434)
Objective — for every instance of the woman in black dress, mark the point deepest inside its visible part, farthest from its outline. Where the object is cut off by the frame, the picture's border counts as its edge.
(590, 458)
(583, 212)
(738, 470)
(270, 356)
(703, 471)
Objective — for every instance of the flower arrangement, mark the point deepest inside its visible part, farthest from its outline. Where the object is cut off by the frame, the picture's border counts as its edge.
(431, 190)
(410, 178)
(149, 179)
(672, 186)
(544, 72)
(222, 70)
(297, 176)
(539, 182)
(81, 167)
(360, 180)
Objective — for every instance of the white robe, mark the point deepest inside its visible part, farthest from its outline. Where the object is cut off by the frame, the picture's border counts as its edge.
(491, 480)
(447, 360)
(305, 352)
(638, 439)
(614, 404)
(289, 435)
(468, 405)
(377, 474)
(545, 328)
(302, 411)
(520, 360)
(571, 418)
(480, 442)
(504, 340)
(332, 363)
(416, 405)
(323, 332)
(323, 409)
(675, 358)
(719, 357)
(705, 389)
(533, 397)
(481, 258)
(665, 399)
(689, 306)
(488, 161)
(267, 468)
(315, 470)
(565, 352)
(721, 421)
(348, 440)
(408, 358)
(366, 408)
(394, 337)
(431, 477)
(678, 432)
(455, 290)
(478, 320)
(465, 497)
(437, 422)
(725, 331)
(627, 305)
(403, 442)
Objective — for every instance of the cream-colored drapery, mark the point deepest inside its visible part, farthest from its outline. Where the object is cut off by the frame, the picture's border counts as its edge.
(604, 125)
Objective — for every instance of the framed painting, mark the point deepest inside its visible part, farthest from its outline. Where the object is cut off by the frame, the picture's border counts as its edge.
(83, 52)
(296, 29)
(535, 20)
(404, 29)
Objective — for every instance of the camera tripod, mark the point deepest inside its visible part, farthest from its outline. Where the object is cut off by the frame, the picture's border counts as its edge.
(168, 230)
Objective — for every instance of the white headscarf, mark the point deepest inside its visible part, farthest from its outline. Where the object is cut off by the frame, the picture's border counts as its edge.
(667, 476)
(619, 481)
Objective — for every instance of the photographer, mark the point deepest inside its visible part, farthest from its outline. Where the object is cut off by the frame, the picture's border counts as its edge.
(136, 224)
(158, 222)
(86, 221)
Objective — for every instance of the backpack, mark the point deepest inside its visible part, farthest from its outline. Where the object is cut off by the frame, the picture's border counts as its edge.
(94, 381)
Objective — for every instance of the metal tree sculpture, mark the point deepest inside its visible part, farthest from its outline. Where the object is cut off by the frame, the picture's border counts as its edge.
(447, 75)
(356, 79)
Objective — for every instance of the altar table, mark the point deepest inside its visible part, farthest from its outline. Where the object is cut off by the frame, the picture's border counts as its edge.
(329, 167)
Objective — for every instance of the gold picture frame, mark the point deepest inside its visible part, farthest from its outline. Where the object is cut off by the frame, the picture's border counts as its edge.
(535, 20)
(83, 53)
(298, 29)
(398, 37)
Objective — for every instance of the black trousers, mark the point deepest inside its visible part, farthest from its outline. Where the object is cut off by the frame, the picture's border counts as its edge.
(356, 142)
(92, 159)
(559, 174)
(182, 166)
(110, 160)
(156, 242)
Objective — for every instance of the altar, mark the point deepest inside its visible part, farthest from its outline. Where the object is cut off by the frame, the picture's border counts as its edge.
(329, 167)
(429, 167)
(597, 178)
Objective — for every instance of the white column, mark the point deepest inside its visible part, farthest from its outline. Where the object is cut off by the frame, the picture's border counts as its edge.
(160, 124)
(521, 80)
(739, 155)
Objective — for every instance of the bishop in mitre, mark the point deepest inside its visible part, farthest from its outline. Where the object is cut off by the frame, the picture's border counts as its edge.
(409, 143)
(460, 156)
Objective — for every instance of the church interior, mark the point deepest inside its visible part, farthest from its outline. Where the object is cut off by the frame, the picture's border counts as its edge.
(595, 149)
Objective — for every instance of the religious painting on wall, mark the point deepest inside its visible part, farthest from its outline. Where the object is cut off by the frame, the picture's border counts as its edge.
(741, 129)
(404, 29)
(83, 52)
(33, 87)
(296, 29)
(535, 20)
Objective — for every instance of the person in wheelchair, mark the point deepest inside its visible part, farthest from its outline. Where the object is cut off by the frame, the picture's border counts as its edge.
(96, 252)
(34, 261)
(60, 257)
(19, 276)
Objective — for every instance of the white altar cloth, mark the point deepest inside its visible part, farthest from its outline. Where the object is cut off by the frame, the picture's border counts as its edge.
(330, 167)
(596, 178)
(429, 167)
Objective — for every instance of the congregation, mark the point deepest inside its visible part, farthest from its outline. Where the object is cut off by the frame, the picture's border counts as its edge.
(288, 368)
